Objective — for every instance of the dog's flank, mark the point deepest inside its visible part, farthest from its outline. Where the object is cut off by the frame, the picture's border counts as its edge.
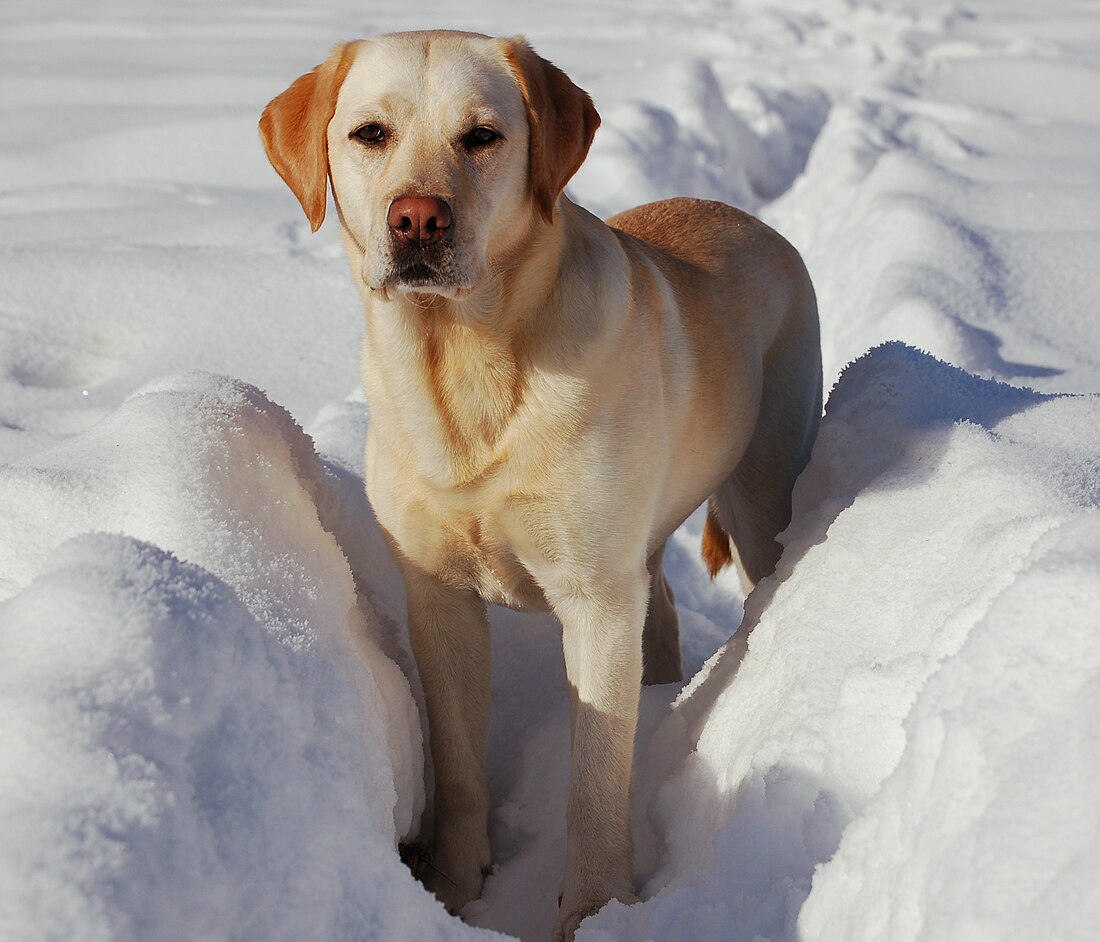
(551, 396)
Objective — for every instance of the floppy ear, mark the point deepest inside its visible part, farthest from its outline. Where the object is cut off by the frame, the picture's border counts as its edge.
(562, 120)
(293, 128)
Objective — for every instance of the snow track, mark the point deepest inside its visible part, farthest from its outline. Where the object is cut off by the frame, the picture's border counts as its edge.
(901, 750)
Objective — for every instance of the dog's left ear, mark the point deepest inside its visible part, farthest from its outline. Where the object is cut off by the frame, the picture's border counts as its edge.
(294, 131)
(562, 120)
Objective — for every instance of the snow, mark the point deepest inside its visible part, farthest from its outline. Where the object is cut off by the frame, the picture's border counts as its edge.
(900, 755)
(195, 748)
(212, 723)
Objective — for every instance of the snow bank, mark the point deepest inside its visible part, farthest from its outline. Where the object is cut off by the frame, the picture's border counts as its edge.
(193, 749)
(988, 827)
(908, 727)
(680, 133)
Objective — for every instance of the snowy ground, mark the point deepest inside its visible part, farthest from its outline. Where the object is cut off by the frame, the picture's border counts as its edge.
(209, 730)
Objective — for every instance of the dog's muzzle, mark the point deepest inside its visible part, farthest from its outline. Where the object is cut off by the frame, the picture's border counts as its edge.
(422, 244)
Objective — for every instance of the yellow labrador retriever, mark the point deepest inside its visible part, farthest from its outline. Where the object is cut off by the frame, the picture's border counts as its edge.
(551, 396)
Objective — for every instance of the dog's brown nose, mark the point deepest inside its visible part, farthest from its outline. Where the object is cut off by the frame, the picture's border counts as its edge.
(420, 219)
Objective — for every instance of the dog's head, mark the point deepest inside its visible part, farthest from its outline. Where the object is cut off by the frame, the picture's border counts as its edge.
(443, 149)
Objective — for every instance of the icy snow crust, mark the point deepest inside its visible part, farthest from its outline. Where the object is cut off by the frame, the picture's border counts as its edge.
(211, 720)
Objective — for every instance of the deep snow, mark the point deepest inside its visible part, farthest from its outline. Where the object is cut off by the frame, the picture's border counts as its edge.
(211, 726)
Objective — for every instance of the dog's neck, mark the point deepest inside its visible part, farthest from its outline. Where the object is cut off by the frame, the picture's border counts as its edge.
(447, 376)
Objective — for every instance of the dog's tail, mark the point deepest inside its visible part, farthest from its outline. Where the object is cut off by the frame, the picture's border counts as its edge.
(717, 552)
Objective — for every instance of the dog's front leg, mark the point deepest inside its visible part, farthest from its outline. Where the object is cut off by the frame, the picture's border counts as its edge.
(449, 631)
(602, 639)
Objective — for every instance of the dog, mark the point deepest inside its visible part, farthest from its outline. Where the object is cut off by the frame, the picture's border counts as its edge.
(551, 396)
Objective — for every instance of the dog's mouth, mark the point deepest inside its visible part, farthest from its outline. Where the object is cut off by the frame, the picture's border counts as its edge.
(427, 270)
(418, 275)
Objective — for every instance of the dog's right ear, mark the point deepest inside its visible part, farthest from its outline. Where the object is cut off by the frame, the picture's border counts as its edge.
(294, 131)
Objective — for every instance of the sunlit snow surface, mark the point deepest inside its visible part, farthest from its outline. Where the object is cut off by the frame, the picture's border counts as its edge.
(210, 721)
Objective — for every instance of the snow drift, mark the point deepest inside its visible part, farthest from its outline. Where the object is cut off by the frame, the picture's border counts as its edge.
(194, 749)
(873, 738)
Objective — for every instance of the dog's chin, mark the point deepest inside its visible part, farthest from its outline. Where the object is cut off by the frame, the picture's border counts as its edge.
(420, 280)
(426, 295)
(423, 279)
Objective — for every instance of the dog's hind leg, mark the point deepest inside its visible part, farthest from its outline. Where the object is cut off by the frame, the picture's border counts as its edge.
(753, 505)
(661, 635)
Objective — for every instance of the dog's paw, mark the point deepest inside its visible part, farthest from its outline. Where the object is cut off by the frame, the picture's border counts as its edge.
(565, 928)
(570, 916)
(455, 881)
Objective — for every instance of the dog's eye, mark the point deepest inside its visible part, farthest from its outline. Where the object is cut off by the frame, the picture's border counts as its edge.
(480, 137)
(370, 134)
